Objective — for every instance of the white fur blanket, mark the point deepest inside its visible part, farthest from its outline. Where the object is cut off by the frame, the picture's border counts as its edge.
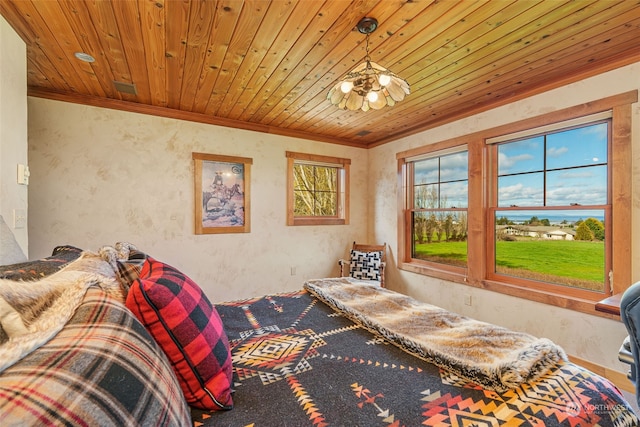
(494, 357)
(31, 313)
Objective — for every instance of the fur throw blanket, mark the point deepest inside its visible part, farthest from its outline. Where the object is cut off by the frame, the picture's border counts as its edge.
(33, 312)
(493, 357)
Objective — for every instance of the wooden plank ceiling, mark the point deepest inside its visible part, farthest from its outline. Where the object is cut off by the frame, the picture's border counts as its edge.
(268, 65)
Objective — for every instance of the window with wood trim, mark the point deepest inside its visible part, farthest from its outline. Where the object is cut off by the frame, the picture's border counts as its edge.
(549, 206)
(317, 189)
(437, 213)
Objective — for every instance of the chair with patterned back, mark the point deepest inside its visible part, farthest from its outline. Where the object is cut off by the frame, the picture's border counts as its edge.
(365, 262)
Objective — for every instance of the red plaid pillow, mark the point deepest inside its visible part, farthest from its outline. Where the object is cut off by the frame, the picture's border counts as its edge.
(179, 316)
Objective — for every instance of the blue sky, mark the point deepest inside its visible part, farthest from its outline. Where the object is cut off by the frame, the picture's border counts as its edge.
(575, 164)
(584, 149)
(454, 168)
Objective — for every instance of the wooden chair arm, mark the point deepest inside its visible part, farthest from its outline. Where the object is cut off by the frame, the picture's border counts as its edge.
(344, 263)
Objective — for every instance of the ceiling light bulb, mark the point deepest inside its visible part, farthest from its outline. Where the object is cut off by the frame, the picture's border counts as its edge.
(346, 87)
(372, 96)
(384, 79)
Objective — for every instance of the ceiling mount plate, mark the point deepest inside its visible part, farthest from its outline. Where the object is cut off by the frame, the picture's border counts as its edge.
(367, 25)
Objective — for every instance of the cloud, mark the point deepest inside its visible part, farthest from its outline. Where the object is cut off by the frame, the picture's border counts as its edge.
(580, 174)
(507, 162)
(519, 195)
(557, 151)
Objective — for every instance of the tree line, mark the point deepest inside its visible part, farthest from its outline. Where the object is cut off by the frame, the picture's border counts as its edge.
(438, 224)
(589, 229)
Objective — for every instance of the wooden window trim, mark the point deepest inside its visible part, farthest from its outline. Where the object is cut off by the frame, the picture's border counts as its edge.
(343, 188)
(548, 288)
(478, 241)
(409, 184)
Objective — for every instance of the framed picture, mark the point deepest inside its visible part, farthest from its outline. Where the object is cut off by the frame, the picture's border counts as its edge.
(222, 196)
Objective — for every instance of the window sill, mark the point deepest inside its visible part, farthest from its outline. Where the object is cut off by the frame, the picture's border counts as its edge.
(451, 274)
(594, 308)
(571, 303)
(318, 221)
(610, 305)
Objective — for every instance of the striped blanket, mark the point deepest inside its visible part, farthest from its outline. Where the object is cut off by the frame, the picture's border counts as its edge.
(31, 313)
(101, 369)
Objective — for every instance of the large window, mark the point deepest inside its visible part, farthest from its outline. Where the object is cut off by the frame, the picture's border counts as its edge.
(317, 189)
(551, 205)
(438, 208)
(539, 209)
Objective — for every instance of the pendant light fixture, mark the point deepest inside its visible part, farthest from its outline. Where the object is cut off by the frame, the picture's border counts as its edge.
(369, 85)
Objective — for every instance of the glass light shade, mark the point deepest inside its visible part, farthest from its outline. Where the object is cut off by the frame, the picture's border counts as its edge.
(368, 86)
(346, 86)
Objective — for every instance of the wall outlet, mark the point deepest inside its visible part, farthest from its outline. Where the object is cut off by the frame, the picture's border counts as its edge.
(293, 270)
(467, 299)
(19, 218)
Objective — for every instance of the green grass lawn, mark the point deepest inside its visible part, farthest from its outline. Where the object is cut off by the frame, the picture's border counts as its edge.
(454, 253)
(573, 263)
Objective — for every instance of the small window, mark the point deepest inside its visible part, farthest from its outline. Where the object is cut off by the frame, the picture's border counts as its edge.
(317, 189)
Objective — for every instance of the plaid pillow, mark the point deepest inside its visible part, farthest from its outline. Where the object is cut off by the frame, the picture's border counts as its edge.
(188, 328)
(365, 265)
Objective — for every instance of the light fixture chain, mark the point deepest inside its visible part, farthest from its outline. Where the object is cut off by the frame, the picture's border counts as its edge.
(367, 57)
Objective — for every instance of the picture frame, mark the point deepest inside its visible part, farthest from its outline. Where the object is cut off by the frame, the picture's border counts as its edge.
(222, 193)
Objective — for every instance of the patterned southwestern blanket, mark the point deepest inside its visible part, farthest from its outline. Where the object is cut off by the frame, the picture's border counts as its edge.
(298, 362)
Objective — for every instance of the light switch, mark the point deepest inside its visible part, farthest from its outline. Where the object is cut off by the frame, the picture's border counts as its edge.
(23, 174)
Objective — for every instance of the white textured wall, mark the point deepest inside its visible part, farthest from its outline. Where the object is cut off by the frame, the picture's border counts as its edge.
(100, 176)
(13, 127)
(589, 337)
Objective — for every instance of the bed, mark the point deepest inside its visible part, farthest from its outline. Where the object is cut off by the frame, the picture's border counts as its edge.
(334, 352)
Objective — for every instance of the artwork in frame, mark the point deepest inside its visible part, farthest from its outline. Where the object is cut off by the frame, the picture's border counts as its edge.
(222, 194)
